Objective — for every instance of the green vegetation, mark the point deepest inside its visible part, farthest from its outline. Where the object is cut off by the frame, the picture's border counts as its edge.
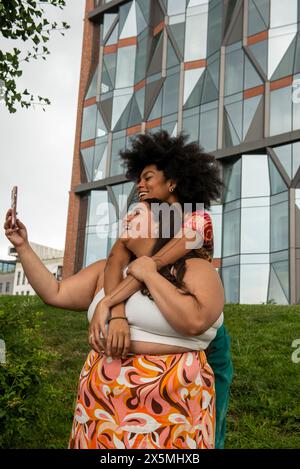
(46, 348)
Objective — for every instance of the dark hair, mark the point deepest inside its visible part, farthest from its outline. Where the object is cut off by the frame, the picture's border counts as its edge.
(179, 265)
(197, 174)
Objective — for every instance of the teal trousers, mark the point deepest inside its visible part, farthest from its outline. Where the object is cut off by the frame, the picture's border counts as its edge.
(219, 358)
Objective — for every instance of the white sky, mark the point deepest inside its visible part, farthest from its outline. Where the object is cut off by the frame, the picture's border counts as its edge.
(36, 147)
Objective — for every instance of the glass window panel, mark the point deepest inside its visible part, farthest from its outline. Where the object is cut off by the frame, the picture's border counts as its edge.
(215, 17)
(195, 37)
(281, 15)
(130, 26)
(191, 124)
(277, 183)
(260, 52)
(115, 166)
(255, 228)
(296, 157)
(284, 153)
(100, 161)
(234, 69)
(255, 176)
(92, 91)
(209, 129)
(276, 292)
(250, 108)
(252, 78)
(279, 42)
(279, 226)
(178, 31)
(281, 269)
(258, 16)
(88, 157)
(254, 283)
(216, 213)
(119, 105)
(108, 19)
(170, 94)
(231, 233)
(232, 180)
(109, 70)
(230, 279)
(175, 7)
(125, 66)
(98, 208)
(95, 248)
(88, 130)
(141, 59)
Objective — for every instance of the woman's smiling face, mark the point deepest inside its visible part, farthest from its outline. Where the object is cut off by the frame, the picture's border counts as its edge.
(153, 184)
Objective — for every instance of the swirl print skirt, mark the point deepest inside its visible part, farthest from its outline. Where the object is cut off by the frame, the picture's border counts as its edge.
(145, 401)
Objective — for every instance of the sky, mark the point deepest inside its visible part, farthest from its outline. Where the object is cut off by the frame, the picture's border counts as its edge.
(36, 147)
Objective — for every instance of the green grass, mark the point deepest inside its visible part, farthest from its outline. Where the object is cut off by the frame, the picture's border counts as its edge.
(264, 408)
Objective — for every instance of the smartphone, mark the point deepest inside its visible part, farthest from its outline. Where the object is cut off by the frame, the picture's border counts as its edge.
(14, 195)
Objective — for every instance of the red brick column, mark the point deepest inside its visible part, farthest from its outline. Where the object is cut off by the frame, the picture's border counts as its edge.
(89, 58)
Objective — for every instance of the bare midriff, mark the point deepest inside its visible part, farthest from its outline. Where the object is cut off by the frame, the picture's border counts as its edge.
(149, 348)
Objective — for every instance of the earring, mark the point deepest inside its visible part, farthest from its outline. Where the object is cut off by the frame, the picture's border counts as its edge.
(171, 189)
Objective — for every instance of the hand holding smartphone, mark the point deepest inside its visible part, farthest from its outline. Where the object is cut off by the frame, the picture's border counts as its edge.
(14, 196)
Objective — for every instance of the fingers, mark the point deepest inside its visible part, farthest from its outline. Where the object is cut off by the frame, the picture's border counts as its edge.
(126, 345)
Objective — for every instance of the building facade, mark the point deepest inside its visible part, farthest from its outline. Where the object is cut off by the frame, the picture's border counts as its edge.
(52, 260)
(7, 273)
(228, 73)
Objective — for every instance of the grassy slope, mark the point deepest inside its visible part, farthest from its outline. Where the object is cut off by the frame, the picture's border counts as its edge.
(264, 407)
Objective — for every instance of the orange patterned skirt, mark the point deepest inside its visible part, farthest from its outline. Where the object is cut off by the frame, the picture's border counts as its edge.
(145, 401)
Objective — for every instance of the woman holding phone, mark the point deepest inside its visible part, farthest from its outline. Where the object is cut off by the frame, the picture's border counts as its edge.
(173, 171)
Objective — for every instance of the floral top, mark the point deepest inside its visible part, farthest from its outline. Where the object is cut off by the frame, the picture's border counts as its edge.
(201, 222)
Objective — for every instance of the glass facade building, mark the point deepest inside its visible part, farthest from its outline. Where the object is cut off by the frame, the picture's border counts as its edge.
(228, 73)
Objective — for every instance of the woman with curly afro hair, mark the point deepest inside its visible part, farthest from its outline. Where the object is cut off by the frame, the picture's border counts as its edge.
(175, 171)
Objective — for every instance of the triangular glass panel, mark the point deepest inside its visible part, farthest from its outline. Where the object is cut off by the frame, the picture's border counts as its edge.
(157, 108)
(106, 84)
(140, 99)
(214, 69)
(284, 154)
(252, 78)
(144, 7)
(135, 115)
(250, 108)
(87, 155)
(120, 104)
(286, 66)
(297, 55)
(100, 161)
(228, 142)
(195, 97)
(152, 91)
(256, 22)
(296, 158)
(178, 32)
(123, 14)
(108, 20)
(156, 58)
(263, 7)
(140, 19)
(279, 44)
(230, 6)
(101, 129)
(110, 62)
(172, 58)
(234, 112)
(277, 183)
(113, 38)
(93, 86)
(130, 26)
(276, 292)
(260, 52)
(191, 78)
(123, 121)
(210, 92)
(282, 271)
(141, 58)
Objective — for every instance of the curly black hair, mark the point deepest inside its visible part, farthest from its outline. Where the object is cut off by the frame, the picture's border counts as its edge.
(197, 173)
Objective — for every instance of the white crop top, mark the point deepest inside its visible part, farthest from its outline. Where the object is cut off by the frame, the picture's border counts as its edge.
(148, 324)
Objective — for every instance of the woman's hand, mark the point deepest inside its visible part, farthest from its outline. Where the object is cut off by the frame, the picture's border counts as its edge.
(18, 235)
(142, 266)
(118, 339)
(98, 324)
